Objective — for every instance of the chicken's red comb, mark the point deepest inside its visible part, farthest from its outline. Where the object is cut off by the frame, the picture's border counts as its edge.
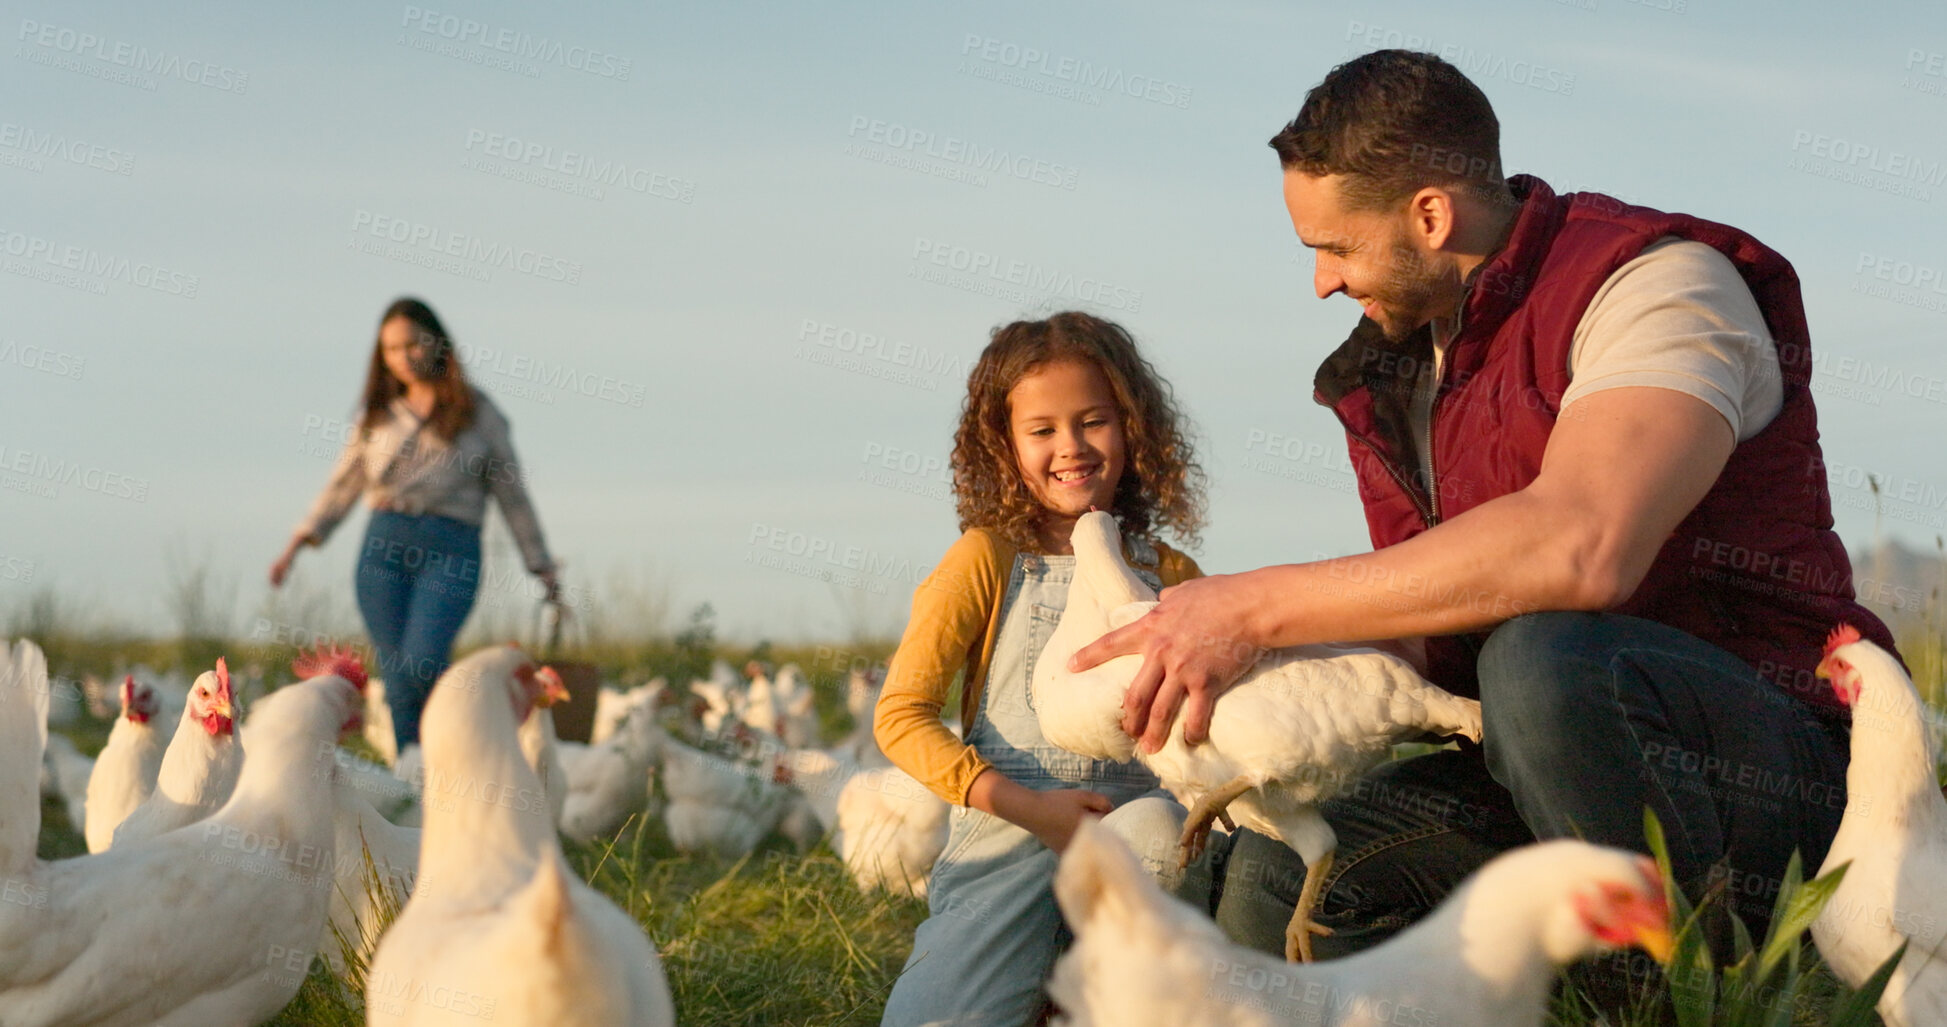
(128, 691)
(222, 676)
(1844, 634)
(341, 660)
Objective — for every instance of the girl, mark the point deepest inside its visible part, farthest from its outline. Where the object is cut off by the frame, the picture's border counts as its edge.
(427, 451)
(1062, 416)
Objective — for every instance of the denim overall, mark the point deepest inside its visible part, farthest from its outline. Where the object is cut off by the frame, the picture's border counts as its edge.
(994, 931)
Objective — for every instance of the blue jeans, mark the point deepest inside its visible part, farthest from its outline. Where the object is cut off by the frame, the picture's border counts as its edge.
(416, 581)
(1587, 719)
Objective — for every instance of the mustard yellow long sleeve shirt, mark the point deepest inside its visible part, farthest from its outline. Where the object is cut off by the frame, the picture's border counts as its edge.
(956, 616)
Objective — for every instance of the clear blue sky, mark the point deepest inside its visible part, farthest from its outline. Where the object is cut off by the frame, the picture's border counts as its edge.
(758, 216)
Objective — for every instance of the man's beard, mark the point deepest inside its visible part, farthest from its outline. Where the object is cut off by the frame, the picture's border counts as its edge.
(1412, 290)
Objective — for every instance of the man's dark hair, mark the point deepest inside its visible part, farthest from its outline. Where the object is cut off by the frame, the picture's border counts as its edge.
(1395, 122)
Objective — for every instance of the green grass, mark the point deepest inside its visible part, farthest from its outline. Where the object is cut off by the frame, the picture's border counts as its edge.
(777, 938)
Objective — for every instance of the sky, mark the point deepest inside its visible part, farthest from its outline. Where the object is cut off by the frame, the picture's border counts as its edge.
(725, 265)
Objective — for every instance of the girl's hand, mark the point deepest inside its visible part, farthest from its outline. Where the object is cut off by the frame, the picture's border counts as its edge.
(1050, 816)
(1054, 816)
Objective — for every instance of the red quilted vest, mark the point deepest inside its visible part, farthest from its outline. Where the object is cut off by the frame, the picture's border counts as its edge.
(1755, 569)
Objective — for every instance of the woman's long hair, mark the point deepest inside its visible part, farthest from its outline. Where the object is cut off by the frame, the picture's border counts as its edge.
(453, 399)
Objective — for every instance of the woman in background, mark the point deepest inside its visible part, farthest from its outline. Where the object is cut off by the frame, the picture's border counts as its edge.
(426, 452)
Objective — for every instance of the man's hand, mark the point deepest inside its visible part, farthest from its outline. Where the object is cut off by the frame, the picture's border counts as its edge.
(1195, 644)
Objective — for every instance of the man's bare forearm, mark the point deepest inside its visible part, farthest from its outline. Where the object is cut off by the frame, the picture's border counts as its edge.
(1501, 559)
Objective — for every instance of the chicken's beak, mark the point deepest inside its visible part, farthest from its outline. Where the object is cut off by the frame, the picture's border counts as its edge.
(221, 707)
(553, 689)
(1657, 940)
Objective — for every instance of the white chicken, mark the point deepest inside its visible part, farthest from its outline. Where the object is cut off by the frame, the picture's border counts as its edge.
(887, 827)
(607, 782)
(200, 767)
(716, 705)
(126, 768)
(496, 927)
(893, 829)
(862, 689)
(761, 708)
(612, 706)
(797, 708)
(1298, 728)
(1486, 957)
(1895, 836)
(214, 923)
(378, 860)
(171, 689)
(395, 799)
(541, 748)
(717, 805)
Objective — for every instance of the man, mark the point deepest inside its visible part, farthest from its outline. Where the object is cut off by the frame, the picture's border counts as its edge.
(1587, 449)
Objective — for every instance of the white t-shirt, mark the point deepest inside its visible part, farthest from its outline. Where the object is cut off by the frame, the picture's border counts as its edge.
(1677, 317)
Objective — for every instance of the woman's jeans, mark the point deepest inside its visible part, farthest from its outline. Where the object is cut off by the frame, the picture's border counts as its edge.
(416, 581)
(1588, 718)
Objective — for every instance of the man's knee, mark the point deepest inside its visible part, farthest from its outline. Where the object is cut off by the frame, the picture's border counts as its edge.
(1545, 679)
(1533, 642)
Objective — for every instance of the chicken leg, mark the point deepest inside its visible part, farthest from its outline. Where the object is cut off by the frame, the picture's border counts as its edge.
(1298, 933)
(1209, 807)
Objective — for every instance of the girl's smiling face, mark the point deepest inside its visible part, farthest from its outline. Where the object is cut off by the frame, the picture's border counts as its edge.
(1068, 442)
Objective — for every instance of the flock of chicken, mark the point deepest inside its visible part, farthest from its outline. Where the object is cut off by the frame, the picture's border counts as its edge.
(443, 873)
(306, 848)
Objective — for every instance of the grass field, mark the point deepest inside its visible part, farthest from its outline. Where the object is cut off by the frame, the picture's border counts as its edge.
(775, 939)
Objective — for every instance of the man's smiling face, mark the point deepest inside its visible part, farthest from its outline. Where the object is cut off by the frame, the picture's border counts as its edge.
(1371, 256)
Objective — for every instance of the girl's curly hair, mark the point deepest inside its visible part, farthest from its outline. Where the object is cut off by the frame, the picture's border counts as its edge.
(1161, 485)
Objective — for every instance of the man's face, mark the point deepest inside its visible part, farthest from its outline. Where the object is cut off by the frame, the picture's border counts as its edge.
(1371, 256)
